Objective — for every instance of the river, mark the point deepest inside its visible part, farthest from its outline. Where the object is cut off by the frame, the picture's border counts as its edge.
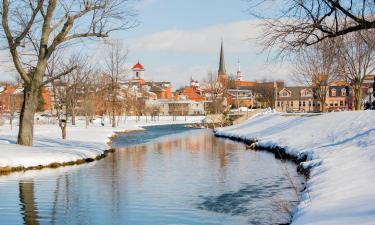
(165, 175)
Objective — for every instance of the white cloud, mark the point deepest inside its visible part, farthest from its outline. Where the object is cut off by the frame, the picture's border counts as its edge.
(176, 55)
(238, 37)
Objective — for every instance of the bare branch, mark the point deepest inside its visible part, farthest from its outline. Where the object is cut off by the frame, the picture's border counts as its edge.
(59, 75)
(304, 23)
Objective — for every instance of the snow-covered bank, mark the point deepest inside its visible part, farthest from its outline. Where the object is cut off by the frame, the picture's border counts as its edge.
(82, 143)
(340, 149)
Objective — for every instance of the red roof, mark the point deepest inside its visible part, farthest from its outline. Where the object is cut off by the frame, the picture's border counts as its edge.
(138, 66)
(191, 94)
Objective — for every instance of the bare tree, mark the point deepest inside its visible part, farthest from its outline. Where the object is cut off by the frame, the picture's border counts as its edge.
(68, 90)
(357, 58)
(77, 81)
(317, 66)
(88, 92)
(216, 91)
(35, 29)
(60, 104)
(115, 66)
(297, 23)
(265, 92)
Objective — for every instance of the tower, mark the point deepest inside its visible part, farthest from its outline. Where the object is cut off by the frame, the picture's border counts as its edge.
(239, 73)
(138, 71)
(222, 73)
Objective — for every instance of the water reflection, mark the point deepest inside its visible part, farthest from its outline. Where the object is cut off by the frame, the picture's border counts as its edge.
(187, 178)
(213, 149)
(27, 200)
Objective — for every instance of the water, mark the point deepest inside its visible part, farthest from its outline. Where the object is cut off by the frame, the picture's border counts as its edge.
(189, 177)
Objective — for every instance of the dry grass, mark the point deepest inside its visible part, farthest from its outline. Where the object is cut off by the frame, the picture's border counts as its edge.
(7, 170)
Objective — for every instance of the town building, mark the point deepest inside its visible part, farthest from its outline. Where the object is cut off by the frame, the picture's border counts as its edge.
(304, 99)
(239, 92)
(138, 86)
(295, 99)
(338, 99)
(181, 107)
(192, 92)
(11, 98)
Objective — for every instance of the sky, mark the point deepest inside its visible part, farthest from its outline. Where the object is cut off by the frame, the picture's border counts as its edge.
(178, 39)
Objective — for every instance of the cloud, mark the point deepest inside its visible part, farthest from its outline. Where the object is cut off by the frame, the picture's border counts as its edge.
(176, 55)
(237, 36)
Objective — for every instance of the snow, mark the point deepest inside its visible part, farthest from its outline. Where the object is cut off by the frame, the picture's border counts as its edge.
(341, 157)
(81, 143)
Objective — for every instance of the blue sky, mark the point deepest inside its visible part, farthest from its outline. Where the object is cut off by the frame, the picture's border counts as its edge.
(157, 15)
(179, 39)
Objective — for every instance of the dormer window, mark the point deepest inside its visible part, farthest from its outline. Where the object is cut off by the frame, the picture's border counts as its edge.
(285, 93)
(333, 92)
(343, 91)
(306, 93)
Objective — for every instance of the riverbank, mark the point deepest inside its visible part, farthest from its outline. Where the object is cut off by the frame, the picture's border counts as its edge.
(82, 144)
(338, 150)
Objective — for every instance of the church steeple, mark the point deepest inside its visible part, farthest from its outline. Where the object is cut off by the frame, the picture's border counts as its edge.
(222, 73)
(239, 73)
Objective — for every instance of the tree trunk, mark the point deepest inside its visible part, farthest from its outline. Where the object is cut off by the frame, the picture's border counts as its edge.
(11, 120)
(323, 104)
(29, 106)
(87, 120)
(73, 117)
(63, 131)
(113, 119)
(358, 98)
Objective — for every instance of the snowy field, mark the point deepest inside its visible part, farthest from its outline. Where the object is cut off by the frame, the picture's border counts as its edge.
(341, 154)
(81, 143)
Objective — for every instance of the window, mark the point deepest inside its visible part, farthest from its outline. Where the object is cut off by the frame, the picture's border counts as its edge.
(304, 104)
(333, 92)
(136, 74)
(291, 103)
(300, 103)
(336, 104)
(278, 104)
(309, 103)
(341, 103)
(285, 94)
(305, 93)
(331, 103)
(343, 91)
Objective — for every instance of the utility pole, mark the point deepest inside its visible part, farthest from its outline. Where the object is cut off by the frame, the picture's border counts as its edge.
(238, 101)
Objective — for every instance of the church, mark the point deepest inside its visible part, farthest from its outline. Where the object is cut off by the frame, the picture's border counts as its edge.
(240, 91)
(142, 88)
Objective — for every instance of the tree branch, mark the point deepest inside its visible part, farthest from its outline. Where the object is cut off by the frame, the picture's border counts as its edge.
(11, 43)
(26, 30)
(59, 75)
(74, 36)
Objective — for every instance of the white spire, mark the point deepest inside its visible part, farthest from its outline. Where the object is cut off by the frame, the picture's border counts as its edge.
(239, 73)
(239, 65)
